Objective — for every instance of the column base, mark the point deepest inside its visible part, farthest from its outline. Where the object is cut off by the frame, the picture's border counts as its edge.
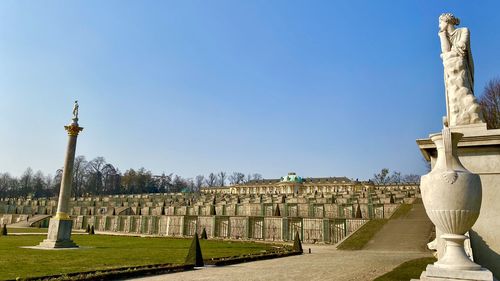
(433, 273)
(59, 235)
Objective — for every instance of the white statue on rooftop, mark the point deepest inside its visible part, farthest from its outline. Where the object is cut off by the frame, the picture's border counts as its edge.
(461, 105)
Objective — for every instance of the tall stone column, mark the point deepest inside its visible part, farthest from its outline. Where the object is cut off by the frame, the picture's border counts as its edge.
(59, 234)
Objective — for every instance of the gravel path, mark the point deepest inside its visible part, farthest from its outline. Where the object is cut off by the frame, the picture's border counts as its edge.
(324, 263)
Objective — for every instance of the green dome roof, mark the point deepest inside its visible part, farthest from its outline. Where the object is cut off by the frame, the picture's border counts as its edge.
(291, 177)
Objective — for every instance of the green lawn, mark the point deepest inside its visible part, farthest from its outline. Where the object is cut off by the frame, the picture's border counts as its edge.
(104, 252)
(401, 211)
(407, 270)
(359, 238)
(26, 230)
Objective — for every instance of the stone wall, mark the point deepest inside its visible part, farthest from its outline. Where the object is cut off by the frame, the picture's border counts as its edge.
(311, 230)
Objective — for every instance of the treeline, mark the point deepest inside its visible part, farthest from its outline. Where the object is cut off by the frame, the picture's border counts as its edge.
(96, 177)
(385, 177)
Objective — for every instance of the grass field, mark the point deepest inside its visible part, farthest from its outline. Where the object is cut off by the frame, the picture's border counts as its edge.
(401, 211)
(26, 230)
(104, 252)
(407, 270)
(359, 238)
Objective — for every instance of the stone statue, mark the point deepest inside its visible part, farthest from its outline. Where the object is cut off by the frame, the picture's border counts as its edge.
(461, 105)
(75, 110)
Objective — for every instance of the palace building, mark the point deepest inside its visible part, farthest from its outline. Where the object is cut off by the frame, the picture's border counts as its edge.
(292, 183)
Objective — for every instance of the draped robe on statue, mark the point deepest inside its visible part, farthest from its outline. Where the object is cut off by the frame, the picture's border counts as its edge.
(459, 80)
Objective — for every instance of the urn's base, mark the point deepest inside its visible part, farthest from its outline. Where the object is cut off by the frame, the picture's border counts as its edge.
(433, 273)
(455, 257)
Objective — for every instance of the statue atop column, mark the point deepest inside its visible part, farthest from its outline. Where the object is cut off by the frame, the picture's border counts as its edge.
(75, 111)
(461, 105)
(59, 233)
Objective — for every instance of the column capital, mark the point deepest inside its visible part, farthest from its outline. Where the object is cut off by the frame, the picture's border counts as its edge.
(73, 129)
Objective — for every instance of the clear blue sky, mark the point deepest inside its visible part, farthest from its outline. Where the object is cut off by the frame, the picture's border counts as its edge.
(322, 88)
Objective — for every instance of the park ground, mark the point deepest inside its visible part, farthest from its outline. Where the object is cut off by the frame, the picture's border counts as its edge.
(98, 252)
(390, 244)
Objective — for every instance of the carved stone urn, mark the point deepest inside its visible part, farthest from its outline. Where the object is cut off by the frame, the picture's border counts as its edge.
(452, 200)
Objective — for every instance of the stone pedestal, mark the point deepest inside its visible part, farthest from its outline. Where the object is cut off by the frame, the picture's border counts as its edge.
(59, 235)
(433, 273)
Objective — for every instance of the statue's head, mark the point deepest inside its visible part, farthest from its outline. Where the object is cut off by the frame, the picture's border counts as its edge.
(449, 18)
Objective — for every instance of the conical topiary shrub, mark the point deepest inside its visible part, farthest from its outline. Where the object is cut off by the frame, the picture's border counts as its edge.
(204, 234)
(194, 255)
(358, 212)
(277, 212)
(88, 228)
(92, 232)
(297, 245)
(4, 230)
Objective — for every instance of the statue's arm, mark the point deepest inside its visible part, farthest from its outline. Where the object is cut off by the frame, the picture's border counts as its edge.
(445, 43)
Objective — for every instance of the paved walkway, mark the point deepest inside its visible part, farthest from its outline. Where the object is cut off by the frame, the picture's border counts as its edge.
(398, 241)
(325, 263)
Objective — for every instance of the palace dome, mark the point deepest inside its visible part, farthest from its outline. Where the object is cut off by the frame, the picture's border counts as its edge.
(291, 177)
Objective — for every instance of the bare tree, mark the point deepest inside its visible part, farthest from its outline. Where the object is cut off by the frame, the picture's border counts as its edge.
(5, 180)
(211, 180)
(79, 174)
(110, 179)
(490, 104)
(221, 178)
(410, 178)
(179, 184)
(236, 178)
(56, 185)
(198, 183)
(26, 182)
(395, 177)
(95, 174)
(382, 177)
(257, 176)
(38, 184)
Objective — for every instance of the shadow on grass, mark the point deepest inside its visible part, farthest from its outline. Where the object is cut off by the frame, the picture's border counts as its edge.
(407, 270)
